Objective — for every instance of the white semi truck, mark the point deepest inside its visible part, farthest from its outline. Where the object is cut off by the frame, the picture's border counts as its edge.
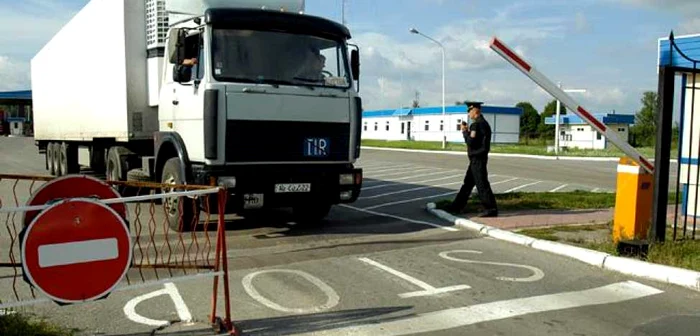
(256, 96)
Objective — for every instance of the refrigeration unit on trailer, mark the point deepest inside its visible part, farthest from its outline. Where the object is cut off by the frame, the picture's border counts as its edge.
(256, 96)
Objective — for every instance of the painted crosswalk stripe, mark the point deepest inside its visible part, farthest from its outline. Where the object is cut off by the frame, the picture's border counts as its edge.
(432, 322)
(410, 190)
(367, 211)
(559, 188)
(403, 173)
(521, 187)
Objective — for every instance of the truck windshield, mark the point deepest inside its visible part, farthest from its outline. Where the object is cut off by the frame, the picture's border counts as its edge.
(278, 58)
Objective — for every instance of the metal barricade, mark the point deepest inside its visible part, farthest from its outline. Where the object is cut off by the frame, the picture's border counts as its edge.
(161, 250)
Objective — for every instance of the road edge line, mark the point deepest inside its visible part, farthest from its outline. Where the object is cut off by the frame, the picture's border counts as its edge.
(512, 155)
(638, 268)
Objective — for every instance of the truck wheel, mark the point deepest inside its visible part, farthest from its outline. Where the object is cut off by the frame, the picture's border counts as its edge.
(115, 170)
(56, 159)
(49, 158)
(182, 212)
(310, 215)
(68, 158)
(137, 175)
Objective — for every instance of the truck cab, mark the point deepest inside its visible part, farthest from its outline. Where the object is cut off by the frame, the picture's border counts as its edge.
(263, 102)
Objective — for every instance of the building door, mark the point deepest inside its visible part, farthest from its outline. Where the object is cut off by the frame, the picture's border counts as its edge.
(408, 131)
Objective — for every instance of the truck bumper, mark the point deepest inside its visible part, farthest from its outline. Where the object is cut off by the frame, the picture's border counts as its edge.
(271, 186)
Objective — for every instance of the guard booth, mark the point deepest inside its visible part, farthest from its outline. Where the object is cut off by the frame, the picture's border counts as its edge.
(17, 106)
(16, 126)
(679, 63)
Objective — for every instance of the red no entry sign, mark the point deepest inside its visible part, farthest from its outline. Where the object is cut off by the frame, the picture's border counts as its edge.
(76, 250)
(73, 186)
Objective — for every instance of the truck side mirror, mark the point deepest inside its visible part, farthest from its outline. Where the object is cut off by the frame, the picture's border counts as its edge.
(182, 73)
(355, 64)
(176, 46)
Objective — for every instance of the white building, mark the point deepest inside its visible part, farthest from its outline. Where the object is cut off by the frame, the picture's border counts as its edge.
(426, 123)
(576, 133)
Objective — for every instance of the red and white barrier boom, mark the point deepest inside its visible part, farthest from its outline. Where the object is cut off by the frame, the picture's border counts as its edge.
(549, 86)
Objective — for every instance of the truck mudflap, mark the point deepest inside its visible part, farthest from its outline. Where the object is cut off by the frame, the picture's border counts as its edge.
(279, 187)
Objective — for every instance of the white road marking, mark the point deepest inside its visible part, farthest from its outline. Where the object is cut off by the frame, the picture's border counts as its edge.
(182, 311)
(78, 252)
(499, 310)
(410, 200)
(559, 188)
(446, 228)
(427, 289)
(333, 298)
(394, 182)
(428, 197)
(537, 275)
(383, 169)
(410, 190)
(521, 187)
(383, 176)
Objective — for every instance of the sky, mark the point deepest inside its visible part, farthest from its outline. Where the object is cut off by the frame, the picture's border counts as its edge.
(608, 47)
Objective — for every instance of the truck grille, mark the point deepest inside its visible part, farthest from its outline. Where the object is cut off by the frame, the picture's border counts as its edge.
(286, 141)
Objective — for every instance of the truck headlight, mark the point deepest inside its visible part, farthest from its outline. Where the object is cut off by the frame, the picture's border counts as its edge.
(227, 182)
(347, 179)
(345, 195)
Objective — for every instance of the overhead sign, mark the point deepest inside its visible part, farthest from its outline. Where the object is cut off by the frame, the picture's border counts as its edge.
(77, 250)
(73, 186)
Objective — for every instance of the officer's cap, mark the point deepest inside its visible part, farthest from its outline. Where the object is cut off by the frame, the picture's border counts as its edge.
(471, 105)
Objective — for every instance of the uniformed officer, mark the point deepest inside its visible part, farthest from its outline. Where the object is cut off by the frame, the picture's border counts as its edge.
(478, 139)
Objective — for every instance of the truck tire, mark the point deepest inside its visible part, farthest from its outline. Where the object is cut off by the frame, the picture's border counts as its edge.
(115, 170)
(68, 158)
(137, 175)
(56, 159)
(50, 149)
(181, 212)
(310, 215)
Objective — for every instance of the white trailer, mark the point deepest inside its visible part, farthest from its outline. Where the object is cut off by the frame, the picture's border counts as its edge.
(253, 95)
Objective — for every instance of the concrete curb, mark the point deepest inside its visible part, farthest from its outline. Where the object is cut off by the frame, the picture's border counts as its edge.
(661, 273)
(525, 156)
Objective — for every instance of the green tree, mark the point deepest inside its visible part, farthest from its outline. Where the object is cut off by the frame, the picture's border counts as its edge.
(530, 120)
(547, 131)
(644, 130)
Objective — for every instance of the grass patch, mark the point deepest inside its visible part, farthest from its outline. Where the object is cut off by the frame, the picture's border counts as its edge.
(522, 148)
(574, 200)
(683, 254)
(20, 324)
(544, 201)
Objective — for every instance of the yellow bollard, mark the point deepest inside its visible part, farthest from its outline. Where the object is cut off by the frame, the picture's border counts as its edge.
(632, 202)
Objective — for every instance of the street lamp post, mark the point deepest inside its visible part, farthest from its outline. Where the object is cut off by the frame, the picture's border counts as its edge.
(442, 49)
(556, 122)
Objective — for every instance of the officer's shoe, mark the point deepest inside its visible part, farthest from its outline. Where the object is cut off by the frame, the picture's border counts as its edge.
(489, 213)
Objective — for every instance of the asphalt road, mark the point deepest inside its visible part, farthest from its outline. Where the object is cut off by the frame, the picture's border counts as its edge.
(383, 266)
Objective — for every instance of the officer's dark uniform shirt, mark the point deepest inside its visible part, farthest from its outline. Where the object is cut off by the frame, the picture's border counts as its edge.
(478, 138)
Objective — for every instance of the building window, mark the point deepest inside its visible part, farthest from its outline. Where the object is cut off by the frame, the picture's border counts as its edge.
(580, 129)
(376, 126)
(442, 125)
(599, 136)
(403, 128)
(387, 125)
(427, 125)
(622, 129)
(365, 126)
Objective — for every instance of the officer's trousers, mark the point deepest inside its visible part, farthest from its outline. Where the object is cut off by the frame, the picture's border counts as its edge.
(477, 175)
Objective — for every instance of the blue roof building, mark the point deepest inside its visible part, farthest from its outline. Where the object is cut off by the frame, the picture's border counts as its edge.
(428, 124)
(576, 133)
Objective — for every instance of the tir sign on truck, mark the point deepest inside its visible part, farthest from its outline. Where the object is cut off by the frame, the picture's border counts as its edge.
(256, 96)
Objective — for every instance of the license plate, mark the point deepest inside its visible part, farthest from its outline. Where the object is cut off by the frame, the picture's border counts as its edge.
(253, 201)
(293, 188)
